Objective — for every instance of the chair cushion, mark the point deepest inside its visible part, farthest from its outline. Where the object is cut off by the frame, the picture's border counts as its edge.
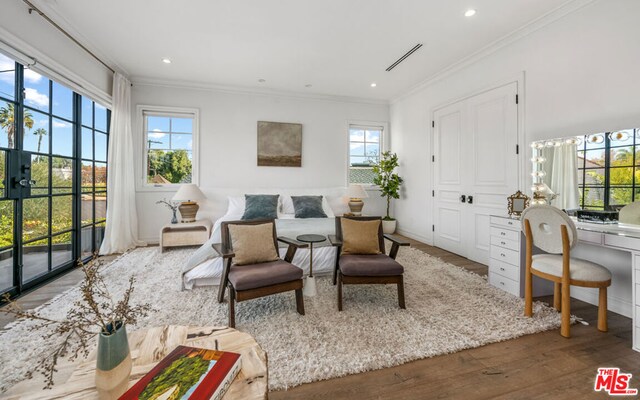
(244, 277)
(369, 265)
(581, 270)
(260, 206)
(360, 237)
(252, 244)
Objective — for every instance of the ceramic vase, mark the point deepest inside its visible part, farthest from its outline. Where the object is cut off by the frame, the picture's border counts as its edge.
(389, 226)
(113, 363)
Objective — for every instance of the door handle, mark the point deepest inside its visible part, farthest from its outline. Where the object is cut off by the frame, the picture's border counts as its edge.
(26, 182)
(463, 199)
(470, 199)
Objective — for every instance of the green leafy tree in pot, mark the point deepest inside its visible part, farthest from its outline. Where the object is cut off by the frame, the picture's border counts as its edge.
(388, 181)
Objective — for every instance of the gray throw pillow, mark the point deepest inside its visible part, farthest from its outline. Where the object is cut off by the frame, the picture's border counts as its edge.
(308, 206)
(260, 206)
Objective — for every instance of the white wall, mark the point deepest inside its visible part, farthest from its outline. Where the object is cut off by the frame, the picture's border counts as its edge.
(35, 37)
(228, 152)
(582, 75)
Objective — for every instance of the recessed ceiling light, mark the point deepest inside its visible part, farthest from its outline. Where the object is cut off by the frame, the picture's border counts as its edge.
(166, 60)
(308, 85)
(470, 12)
(262, 80)
(374, 84)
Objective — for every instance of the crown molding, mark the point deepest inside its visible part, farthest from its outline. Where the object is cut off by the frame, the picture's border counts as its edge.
(48, 7)
(248, 90)
(552, 16)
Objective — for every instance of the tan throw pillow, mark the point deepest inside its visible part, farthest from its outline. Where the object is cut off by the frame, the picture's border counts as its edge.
(252, 244)
(360, 237)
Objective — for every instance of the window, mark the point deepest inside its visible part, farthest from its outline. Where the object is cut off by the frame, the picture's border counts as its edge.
(609, 169)
(169, 142)
(364, 151)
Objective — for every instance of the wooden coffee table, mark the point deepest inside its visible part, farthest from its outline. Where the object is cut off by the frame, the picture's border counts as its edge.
(148, 346)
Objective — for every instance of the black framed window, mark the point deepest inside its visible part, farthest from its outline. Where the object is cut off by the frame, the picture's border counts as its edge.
(609, 169)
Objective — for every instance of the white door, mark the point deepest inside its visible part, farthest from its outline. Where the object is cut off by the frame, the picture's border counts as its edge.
(479, 142)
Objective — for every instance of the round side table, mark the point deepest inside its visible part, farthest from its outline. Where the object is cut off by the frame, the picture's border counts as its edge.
(309, 288)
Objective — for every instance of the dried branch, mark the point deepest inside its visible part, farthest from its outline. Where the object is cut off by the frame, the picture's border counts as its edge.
(95, 313)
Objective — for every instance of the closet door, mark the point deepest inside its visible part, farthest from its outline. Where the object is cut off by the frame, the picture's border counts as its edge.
(449, 178)
(492, 169)
(475, 169)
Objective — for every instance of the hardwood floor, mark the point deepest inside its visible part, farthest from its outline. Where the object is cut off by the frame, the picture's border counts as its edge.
(539, 366)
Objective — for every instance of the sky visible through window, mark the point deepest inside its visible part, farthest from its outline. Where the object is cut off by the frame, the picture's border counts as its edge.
(40, 96)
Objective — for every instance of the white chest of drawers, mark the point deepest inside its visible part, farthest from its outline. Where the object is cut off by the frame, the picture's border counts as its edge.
(507, 254)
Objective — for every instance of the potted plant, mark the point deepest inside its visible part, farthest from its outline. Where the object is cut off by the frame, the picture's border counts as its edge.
(389, 184)
(97, 313)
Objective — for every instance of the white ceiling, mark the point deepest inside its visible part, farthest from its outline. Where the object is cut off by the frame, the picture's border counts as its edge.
(338, 46)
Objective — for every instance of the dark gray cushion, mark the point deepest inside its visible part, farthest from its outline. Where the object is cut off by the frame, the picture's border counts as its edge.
(245, 277)
(308, 206)
(260, 206)
(369, 265)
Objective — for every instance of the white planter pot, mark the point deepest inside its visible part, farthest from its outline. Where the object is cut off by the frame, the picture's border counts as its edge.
(388, 226)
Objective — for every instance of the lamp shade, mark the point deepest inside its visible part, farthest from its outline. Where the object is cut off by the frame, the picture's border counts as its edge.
(356, 192)
(188, 192)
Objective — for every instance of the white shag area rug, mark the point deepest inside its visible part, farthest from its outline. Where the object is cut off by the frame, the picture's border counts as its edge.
(448, 309)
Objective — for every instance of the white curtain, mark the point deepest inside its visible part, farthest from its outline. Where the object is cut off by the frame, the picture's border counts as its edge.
(121, 232)
(564, 177)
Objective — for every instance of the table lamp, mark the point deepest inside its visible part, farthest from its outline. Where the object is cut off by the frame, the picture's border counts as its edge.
(356, 193)
(188, 194)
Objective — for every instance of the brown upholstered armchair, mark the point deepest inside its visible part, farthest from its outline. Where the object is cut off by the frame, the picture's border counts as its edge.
(367, 268)
(250, 281)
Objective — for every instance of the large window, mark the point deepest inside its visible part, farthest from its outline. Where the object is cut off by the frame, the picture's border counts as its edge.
(170, 142)
(609, 169)
(53, 148)
(364, 151)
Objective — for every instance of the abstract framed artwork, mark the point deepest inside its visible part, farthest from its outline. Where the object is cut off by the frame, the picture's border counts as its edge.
(279, 144)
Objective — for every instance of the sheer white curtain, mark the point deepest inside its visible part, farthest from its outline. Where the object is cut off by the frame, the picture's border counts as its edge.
(121, 233)
(564, 177)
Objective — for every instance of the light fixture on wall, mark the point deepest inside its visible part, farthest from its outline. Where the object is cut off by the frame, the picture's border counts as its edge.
(188, 194)
(470, 12)
(620, 136)
(166, 60)
(356, 193)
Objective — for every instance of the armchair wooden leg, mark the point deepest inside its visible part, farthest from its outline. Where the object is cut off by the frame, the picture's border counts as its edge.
(401, 292)
(300, 301)
(565, 326)
(224, 279)
(335, 275)
(556, 296)
(339, 291)
(232, 308)
(528, 293)
(602, 311)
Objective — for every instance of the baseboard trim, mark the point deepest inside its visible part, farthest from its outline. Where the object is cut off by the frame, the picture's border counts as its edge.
(615, 304)
(415, 236)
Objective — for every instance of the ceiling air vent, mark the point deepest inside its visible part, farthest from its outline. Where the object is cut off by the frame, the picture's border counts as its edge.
(404, 57)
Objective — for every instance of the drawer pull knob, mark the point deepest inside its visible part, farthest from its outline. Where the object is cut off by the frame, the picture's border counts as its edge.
(502, 283)
(501, 269)
(502, 243)
(502, 255)
(503, 234)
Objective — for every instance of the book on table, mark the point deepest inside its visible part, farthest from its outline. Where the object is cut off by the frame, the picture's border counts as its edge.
(188, 373)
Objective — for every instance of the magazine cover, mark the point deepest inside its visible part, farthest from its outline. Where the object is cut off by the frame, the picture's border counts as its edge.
(188, 373)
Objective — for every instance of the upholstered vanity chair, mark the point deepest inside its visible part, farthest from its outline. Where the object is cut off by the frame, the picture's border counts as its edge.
(552, 231)
(630, 214)
(252, 267)
(361, 257)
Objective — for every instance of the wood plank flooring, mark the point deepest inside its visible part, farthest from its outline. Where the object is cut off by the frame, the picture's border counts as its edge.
(539, 366)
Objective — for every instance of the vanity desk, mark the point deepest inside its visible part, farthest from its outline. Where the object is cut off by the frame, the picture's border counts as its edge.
(615, 246)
